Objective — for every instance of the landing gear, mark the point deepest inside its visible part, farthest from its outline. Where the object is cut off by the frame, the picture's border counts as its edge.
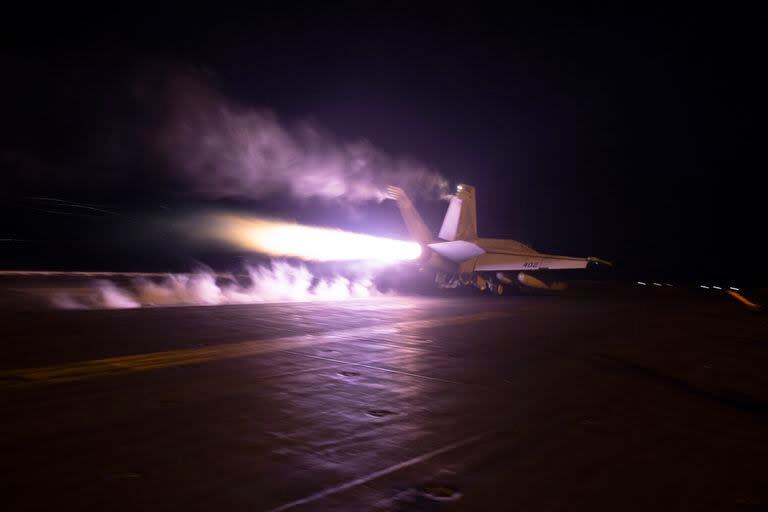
(484, 283)
(491, 285)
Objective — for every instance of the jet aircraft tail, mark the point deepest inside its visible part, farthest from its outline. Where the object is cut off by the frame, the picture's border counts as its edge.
(460, 222)
(486, 263)
(416, 227)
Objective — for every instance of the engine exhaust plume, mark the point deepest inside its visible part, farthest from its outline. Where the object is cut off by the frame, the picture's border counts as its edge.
(309, 243)
(218, 149)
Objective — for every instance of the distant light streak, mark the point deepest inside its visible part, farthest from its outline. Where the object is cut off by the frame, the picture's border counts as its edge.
(751, 305)
(642, 283)
(704, 286)
(310, 243)
(734, 289)
(656, 284)
(716, 287)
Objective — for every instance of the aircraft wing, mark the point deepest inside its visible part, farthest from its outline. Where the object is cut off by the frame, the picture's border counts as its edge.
(510, 261)
(460, 251)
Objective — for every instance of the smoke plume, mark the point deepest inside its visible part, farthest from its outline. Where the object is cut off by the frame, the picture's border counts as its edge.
(279, 281)
(224, 150)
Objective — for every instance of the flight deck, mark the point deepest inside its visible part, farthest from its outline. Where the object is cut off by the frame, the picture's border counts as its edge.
(608, 398)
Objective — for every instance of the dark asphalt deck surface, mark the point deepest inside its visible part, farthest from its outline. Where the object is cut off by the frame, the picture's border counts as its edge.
(611, 400)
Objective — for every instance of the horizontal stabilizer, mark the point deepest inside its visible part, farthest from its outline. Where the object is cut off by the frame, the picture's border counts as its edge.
(457, 251)
(593, 259)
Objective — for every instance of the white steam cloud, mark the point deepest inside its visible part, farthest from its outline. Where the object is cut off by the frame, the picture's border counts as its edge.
(223, 150)
(278, 282)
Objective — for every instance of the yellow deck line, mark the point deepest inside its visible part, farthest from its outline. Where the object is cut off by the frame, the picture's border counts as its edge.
(97, 368)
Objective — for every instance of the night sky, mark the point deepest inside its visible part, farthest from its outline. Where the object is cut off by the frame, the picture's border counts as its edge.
(636, 137)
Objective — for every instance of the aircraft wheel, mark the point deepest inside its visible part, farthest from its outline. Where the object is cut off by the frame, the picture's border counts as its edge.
(498, 289)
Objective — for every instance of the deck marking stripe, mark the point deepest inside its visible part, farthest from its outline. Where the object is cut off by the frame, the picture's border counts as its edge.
(382, 472)
(378, 368)
(93, 369)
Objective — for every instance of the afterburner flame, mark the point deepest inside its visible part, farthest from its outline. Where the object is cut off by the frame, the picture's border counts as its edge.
(308, 243)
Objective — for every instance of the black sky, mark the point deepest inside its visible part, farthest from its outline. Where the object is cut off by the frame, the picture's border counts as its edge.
(637, 137)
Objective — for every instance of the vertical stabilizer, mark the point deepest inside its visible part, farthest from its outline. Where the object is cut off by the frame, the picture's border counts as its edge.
(460, 222)
(413, 221)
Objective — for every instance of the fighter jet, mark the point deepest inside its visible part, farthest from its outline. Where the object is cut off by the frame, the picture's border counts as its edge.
(464, 259)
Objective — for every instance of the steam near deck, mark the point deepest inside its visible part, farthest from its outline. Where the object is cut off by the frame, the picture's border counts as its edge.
(277, 281)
